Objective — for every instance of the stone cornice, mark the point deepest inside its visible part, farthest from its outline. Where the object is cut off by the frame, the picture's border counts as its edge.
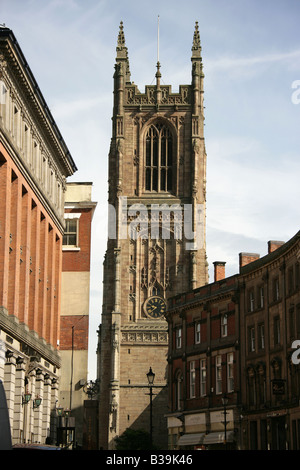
(31, 180)
(11, 325)
(18, 68)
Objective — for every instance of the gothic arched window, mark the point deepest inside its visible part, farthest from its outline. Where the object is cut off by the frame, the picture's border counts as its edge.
(158, 168)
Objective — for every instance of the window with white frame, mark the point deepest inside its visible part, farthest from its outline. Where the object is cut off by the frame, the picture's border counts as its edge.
(251, 339)
(178, 337)
(230, 373)
(197, 332)
(203, 377)
(277, 330)
(261, 296)
(71, 233)
(223, 325)
(276, 289)
(251, 300)
(178, 391)
(218, 374)
(261, 336)
(192, 379)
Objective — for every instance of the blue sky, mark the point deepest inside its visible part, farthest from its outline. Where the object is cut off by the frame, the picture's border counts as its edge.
(251, 56)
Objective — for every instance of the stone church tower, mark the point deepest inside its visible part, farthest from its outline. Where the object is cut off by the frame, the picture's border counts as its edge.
(156, 243)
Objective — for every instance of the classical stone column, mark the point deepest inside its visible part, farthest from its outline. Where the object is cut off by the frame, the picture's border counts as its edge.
(38, 412)
(28, 409)
(2, 359)
(46, 407)
(9, 382)
(53, 417)
(19, 393)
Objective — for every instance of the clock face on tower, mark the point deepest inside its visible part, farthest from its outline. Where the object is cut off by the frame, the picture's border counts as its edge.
(155, 307)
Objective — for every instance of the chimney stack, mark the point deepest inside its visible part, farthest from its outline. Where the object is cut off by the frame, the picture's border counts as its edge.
(273, 245)
(219, 271)
(246, 258)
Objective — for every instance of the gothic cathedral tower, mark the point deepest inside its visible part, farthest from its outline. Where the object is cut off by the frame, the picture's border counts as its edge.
(156, 244)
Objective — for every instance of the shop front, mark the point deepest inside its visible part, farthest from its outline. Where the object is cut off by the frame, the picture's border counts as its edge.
(203, 431)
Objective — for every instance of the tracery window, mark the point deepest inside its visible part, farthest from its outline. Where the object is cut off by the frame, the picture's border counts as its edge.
(159, 156)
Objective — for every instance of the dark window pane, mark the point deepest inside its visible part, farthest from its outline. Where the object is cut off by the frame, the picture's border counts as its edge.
(155, 152)
(154, 179)
(169, 152)
(169, 179)
(163, 152)
(148, 151)
(163, 180)
(148, 179)
(71, 239)
(71, 225)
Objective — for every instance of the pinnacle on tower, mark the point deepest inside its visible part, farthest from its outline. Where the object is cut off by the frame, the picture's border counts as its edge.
(121, 38)
(196, 42)
(122, 51)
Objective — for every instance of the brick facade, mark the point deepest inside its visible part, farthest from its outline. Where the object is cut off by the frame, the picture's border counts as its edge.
(34, 164)
(249, 354)
(74, 319)
(270, 314)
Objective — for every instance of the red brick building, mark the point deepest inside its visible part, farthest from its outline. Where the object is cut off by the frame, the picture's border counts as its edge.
(238, 336)
(203, 364)
(269, 324)
(34, 164)
(74, 332)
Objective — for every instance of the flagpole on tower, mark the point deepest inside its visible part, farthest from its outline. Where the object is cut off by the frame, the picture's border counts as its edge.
(158, 38)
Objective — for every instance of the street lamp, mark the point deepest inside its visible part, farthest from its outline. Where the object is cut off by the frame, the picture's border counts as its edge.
(64, 430)
(37, 402)
(150, 377)
(225, 403)
(26, 398)
(67, 412)
(59, 410)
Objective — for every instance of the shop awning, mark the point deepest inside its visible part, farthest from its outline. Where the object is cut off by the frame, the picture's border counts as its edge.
(191, 439)
(218, 437)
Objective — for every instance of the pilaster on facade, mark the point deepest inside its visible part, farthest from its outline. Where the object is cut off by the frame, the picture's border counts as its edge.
(22, 376)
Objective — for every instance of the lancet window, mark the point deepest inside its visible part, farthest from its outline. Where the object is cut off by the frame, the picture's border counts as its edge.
(159, 159)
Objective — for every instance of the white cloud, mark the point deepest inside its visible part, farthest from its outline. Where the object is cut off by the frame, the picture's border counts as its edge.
(248, 192)
(70, 109)
(236, 64)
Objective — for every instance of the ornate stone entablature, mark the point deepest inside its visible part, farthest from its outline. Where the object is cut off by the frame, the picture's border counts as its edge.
(143, 333)
(135, 97)
(28, 128)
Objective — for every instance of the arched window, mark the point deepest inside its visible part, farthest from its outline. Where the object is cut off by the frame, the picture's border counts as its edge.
(159, 150)
(157, 289)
